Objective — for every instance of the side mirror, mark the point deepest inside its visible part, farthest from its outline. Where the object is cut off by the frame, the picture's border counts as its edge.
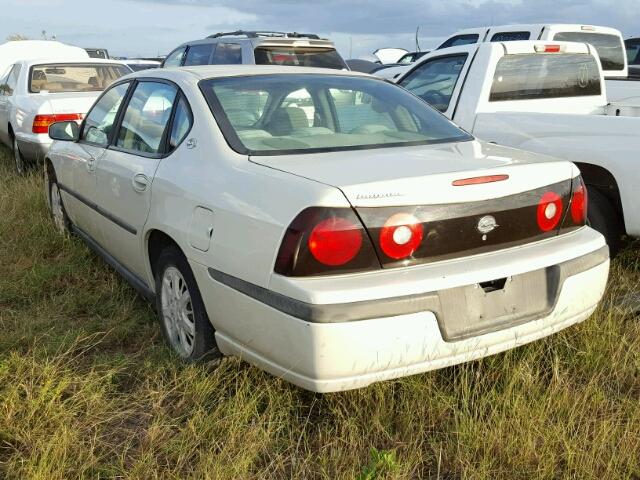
(64, 131)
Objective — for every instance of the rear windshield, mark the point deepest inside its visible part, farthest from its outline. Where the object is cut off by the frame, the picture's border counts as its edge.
(59, 78)
(538, 76)
(303, 57)
(280, 114)
(609, 47)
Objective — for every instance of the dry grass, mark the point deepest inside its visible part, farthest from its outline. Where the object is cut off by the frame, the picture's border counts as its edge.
(88, 390)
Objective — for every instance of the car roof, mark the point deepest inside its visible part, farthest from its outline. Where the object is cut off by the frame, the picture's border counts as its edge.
(262, 40)
(218, 71)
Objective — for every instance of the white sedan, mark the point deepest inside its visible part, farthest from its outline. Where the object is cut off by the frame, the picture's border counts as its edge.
(369, 240)
(36, 93)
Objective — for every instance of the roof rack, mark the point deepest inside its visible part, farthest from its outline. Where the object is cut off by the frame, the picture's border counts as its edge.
(266, 33)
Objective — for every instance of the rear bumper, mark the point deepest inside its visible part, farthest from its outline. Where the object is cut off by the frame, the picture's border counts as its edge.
(34, 147)
(348, 353)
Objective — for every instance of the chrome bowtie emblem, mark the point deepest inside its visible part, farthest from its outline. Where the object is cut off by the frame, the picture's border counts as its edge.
(487, 224)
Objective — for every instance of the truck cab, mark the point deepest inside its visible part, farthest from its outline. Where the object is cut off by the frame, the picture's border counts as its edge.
(548, 98)
(607, 41)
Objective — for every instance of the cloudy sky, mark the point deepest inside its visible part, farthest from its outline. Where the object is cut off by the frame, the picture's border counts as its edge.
(150, 27)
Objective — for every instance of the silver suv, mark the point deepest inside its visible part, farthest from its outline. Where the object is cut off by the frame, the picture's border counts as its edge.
(258, 48)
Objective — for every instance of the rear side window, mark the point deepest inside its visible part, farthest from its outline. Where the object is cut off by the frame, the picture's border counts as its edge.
(510, 36)
(227, 54)
(460, 40)
(434, 80)
(146, 118)
(303, 57)
(609, 47)
(199, 54)
(182, 122)
(174, 59)
(12, 81)
(538, 76)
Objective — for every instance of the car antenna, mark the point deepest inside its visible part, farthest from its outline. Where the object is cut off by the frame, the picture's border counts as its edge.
(417, 43)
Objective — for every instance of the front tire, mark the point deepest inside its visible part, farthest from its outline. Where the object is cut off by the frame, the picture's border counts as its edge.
(603, 217)
(181, 311)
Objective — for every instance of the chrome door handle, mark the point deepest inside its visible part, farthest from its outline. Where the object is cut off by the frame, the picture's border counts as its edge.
(140, 182)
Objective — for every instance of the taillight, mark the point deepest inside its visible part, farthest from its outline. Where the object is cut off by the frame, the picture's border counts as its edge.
(579, 202)
(400, 236)
(549, 211)
(41, 123)
(335, 241)
(325, 241)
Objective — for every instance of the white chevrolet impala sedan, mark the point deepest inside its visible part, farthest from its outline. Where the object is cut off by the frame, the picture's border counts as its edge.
(326, 226)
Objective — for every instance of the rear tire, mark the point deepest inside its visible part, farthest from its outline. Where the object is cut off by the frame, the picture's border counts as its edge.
(56, 207)
(22, 166)
(603, 217)
(183, 318)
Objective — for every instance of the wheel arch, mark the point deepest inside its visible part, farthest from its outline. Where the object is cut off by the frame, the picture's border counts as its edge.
(604, 181)
(156, 241)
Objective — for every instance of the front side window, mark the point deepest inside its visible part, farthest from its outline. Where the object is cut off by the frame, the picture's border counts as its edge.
(300, 57)
(319, 113)
(434, 80)
(174, 59)
(458, 40)
(538, 76)
(510, 36)
(609, 47)
(227, 54)
(199, 54)
(100, 120)
(146, 118)
(64, 78)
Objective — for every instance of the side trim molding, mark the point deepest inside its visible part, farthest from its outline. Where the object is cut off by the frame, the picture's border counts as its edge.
(390, 307)
(136, 282)
(92, 205)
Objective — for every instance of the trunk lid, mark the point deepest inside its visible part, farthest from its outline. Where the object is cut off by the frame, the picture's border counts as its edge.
(423, 175)
(52, 103)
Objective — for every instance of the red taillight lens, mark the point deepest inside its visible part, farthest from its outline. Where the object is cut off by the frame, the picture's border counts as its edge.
(335, 241)
(579, 203)
(400, 236)
(41, 122)
(549, 211)
(325, 241)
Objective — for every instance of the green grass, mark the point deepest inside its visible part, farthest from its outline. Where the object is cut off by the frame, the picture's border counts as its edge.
(88, 389)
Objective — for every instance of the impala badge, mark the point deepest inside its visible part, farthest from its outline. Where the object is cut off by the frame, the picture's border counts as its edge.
(487, 224)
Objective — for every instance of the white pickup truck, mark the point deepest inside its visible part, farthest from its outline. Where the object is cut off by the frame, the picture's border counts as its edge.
(608, 42)
(548, 98)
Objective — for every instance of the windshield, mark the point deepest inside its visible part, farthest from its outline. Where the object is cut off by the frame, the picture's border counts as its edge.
(609, 47)
(301, 113)
(538, 76)
(60, 78)
(300, 57)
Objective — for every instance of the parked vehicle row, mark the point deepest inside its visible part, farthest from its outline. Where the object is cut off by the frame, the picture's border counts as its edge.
(368, 240)
(331, 227)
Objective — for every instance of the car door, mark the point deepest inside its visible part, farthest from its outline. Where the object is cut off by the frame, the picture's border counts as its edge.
(7, 90)
(76, 163)
(126, 171)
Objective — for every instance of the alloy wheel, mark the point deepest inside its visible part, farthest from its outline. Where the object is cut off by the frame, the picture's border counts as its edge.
(177, 312)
